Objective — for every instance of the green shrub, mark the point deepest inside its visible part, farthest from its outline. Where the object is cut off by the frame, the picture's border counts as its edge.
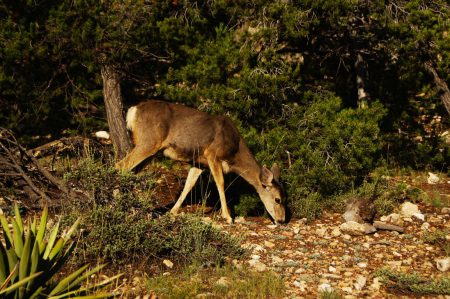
(28, 262)
(414, 282)
(329, 149)
(438, 238)
(121, 225)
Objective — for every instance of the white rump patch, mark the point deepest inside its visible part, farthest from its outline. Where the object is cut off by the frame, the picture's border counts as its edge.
(131, 117)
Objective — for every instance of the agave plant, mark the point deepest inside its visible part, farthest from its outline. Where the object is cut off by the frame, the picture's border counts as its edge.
(28, 262)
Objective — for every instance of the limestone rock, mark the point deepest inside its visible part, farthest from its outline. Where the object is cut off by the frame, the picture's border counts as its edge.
(432, 178)
(356, 229)
(443, 264)
(407, 209)
(168, 264)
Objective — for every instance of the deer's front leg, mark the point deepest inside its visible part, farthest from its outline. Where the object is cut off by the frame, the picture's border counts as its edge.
(193, 175)
(217, 172)
(137, 155)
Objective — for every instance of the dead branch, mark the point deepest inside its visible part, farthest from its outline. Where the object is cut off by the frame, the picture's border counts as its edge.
(385, 226)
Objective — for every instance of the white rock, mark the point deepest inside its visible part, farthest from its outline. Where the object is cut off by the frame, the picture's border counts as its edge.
(269, 244)
(360, 282)
(425, 226)
(362, 265)
(239, 219)
(393, 218)
(325, 287)
(223, 282)
(277, 260)
(432, 178)
(321, 231)
(257, 265)
(407, 209)
(336, 232)
(331, 269)
(419, 216)
(443, 264)
(258, 248)
(301, 285)
(348, 290)
(375, 286)
(356, 229)
(255, 257)
(352, 215)
(102, 135)
(445, 210)
(168, 264)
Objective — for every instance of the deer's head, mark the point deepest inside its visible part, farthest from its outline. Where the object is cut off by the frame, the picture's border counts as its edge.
(272, 194)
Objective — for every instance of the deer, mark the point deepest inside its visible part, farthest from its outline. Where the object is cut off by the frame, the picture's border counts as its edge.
(206, 141)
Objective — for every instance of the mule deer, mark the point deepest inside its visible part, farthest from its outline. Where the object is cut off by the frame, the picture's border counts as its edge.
(187, 134)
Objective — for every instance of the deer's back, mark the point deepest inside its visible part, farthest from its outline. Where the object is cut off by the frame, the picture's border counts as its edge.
(185, 133)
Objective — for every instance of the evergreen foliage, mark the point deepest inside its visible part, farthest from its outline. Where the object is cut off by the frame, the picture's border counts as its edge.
(283, 70)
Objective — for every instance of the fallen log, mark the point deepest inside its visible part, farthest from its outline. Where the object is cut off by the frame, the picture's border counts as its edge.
(386, 226)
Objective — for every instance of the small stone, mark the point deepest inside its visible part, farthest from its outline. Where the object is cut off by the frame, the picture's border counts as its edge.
(257, 265)
(393, 218)
(269, 244)
(239, 219)
(223, 282)
(276, 259)
(356, 229)
(325, 287)
(407, 209)
(336, 232)
(419, 216)
(443, 264)
(360, 282)
(331, 269)
(425, 226)
(321, 231)
(301, 285)
(432, 178)
(375, 286)
(362, 265)
(348, 290)
(445, 210)
(168, 264)
(166, 274)
(347, 237)
(255, 257)
(296, 230)
(272, 226)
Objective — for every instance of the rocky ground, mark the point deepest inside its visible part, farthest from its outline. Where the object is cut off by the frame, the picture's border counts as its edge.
(317, 256)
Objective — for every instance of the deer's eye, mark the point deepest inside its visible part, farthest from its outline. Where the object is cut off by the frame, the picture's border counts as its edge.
(278, 200)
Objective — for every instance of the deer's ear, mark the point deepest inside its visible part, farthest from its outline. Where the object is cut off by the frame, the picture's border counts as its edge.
(266, 176)
(276, 171)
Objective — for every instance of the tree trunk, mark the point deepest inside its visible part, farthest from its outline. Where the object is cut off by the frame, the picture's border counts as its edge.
(114, 111)
(441, 85)
(361, 79)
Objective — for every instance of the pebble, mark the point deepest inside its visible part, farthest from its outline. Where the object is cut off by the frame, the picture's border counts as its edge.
(362, 265)
(301, 285)
(255, 257)
(223, 282)
(331, 269)
(443, 264)
(168, 264)
(407, 209)
(336, 232)
(269, 244)
(325, 287)
(425, 226)
(257, 265)
(360, 282)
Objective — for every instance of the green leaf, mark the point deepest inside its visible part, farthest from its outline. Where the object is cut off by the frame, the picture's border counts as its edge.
(63, 284)
(51, 241)
(25, 257)
(3, 263)
(42, 225)
(19, 284)
(33, 226)
(5, 225)
(17, 237)
(57, 248)
(34, 262)
(18, 218)
(86, 275)
(72, 229)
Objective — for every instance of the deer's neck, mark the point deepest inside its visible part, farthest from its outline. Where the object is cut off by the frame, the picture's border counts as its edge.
(247, 167)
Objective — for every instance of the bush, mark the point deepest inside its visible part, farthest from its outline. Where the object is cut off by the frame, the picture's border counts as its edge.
(330, 149)
(121, 225)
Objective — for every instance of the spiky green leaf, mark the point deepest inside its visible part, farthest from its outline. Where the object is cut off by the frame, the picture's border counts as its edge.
(18, 284)
(51, 241)
(18, 218)
(17, 238)
(64, 283)
(42, 225)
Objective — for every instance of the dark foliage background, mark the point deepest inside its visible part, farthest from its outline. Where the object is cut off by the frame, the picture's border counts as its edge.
(285, 71)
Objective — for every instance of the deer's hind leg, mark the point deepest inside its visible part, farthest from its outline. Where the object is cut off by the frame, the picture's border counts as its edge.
(137, 155)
